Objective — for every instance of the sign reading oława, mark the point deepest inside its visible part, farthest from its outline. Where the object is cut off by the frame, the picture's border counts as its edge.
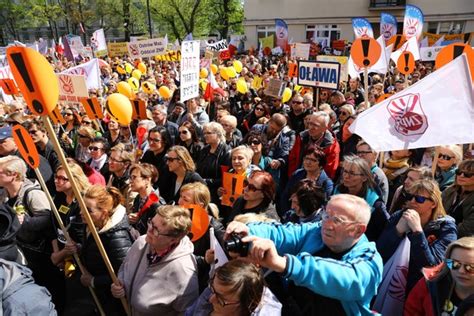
(319, 74)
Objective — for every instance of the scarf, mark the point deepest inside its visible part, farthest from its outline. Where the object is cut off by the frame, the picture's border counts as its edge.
(395, 167)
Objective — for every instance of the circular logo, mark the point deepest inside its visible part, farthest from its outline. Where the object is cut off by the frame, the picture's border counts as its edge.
(411, 121)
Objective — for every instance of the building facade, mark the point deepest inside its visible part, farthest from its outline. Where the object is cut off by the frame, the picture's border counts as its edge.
(328, 20)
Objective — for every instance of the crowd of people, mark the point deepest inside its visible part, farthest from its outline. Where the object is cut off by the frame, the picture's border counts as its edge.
(320, 215)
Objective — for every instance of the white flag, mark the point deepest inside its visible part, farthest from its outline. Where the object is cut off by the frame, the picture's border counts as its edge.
(90, 70)
(379, 67)
(424, 42)
(437, 110)
(219, 254)
(439, 42)
(98, 43)
(411, 46)
(391, 294)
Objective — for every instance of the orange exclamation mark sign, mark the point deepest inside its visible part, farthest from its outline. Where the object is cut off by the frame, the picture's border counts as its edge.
(406, 63)
(26, 146)
(365, 52)
(234, 184)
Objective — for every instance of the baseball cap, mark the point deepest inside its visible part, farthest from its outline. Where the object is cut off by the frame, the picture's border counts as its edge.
(5, 132)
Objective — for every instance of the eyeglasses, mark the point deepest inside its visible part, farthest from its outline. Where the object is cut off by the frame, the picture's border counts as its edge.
(61, 178)
(94, 148)
(250, 186)
(360, 153)
(307, 158)
(456, 265)
(259, 109)
(170, 159)
(155, 230)
(154, 140)
(115, 160)
(418, 198)
(445, 157)
(350, 173)
(183, 132)
(335, 219)
(33, 132)
(86, 122)
(297, 102)
(219, 299)
(255, 142)
(209, 133)
(464, 173)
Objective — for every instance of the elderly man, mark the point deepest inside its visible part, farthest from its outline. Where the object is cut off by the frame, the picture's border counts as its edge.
(333, 259)
(317, 134)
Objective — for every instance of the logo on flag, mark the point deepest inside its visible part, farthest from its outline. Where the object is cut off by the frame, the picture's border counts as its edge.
(66, 84)
(362, 28)
(397, 284)
(407, 115)
(413, 22)
(388, 26)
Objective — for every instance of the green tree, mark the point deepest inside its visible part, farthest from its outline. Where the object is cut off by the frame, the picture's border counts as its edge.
(225, 16)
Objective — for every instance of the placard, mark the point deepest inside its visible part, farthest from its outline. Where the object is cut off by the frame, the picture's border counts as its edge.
(321, 74)
(234, 187)
(71, 88)
(429, 53)
(275, 88)
(189, 70)
(147, 48)
(300, 50)
(118, 49)
(342, 60)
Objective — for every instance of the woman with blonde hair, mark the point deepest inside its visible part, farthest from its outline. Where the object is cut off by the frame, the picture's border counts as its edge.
(109, 218)
(449, 158)
(426, 225)
(182, 171)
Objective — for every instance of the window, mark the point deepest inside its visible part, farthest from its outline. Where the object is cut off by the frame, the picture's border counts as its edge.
(264, 31)
(386, 3)
(450, 27)
(323, 33)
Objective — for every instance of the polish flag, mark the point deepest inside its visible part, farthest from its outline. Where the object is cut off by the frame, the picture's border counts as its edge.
(211, 87)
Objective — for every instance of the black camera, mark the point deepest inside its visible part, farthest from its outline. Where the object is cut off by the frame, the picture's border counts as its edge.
(235, 244)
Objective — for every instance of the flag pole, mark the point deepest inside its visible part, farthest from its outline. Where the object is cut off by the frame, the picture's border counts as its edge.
(83, 207)
(366, 87)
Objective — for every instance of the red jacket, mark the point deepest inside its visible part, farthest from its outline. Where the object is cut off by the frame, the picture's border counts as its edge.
(418, 302)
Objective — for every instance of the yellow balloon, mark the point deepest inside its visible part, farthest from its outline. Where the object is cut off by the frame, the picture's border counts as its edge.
(214, 69)
(165, 92)
(238, 66)
(134, 83)
(148, 87)
(125, 89)
(203, 73)
(203, 84)
(128, 68)
(120, 108)
(231, 72)
(286, 95)
(121, 69)
(137, 74)
(224, 74)
(297, 88)
(142, 68)
(242, 86)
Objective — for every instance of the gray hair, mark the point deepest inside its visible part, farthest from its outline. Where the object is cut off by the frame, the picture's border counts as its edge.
(148, 124)
(14, 164)
(358, 206)
(247, 151)
(216, 128)
(322, 114)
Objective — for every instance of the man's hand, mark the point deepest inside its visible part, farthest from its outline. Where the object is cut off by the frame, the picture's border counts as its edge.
(263, 252)
(117, 289)
(275, 164)
(86, 279)
(236, 228)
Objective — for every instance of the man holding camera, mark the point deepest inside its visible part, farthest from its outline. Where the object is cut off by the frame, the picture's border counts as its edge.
(333, 264)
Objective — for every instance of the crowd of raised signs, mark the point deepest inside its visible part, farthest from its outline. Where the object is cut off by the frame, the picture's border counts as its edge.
(235, 202)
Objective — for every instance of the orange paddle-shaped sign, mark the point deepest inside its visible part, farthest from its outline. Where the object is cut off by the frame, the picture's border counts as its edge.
(200, 220)
(365, 52)
(397, 40)
(56, 117)
(139, 109)
(292, 70)
(35, 78)
(453, 51)
(8, 86)
(234, 187)
(92, 108)
(26, 146)
(406, 63)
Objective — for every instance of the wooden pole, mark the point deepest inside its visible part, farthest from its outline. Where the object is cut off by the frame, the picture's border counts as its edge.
(66, 235)
(366, 88)
(83, 207)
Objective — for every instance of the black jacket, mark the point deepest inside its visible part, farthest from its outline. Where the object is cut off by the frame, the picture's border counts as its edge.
(169, 195)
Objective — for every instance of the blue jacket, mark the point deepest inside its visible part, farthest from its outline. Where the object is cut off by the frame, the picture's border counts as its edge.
(353, 280)
(280, 149)
(426, 249)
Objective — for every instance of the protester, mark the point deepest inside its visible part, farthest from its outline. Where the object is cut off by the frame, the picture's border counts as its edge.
(189, 139)
(425, 224)
(400, 196)
(158, 275)
(306, 203)
(343, 284)
(449, 158)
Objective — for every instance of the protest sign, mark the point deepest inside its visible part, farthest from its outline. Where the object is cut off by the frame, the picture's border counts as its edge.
(300, 50)
(117, 49)
(342, 60)
(147, 48)
(99, 45)
(320, 74)
(448, 38)
(71, 88)
(234, 187)
(189, 70)
(218, 46)
(90, 70)
(170, 56)
(275, 88)
(429, 53)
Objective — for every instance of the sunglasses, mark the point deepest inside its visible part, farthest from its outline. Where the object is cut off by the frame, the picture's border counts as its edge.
(464, 173)
(61, 178)
(86, 122)
(94, 148)
(168, 158)
(297, 102)
(67, 114)
(456, 265)
(183, 132)
(259, 109)
(251, 187)
(418, 198)
(154, 140)
(445, 157)
(255, 142)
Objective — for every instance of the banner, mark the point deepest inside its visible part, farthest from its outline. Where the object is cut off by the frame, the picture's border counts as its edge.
(281, 31)
(300, 50)
(268, 41)
(147, 48)
(429, 53)
(342, 60)
(118, 49)
(275, 88)
(388, 26)
(71, 88)
(319, 74)
(170, 56)
(448, 38)
(99, 45)
(217, 46)
(362, 28)
(420, 115)
(411, 46)
(413, 22)
(90, 70)
(189, 70)
(76, 46)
